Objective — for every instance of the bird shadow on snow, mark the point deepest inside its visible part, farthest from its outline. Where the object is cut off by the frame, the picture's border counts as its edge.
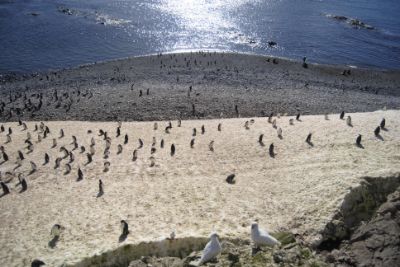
(360, 146)
(380, 137)
(53, 242)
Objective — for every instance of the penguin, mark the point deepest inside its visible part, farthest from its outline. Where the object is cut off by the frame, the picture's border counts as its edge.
(152, 161)
(172, 150)
(194, 132)
(348, 121)
(134, 157)
(270, 117)
(211, 146)
(106, 166)
(246, 125)
(260, 139)
(22, 182)
(80, 175)
(219, 127)
(308, 139)
(271, 150)
(203, 130)
(89, 158)
(274, 124)
(83, 149)
(56, 231)
(37, 263)
(382, 125)
(93, 142)
(298, 117)
(20, 155)
(358, 140)
(155, 126)
(5, 157)
(118, 131)
(124, 228)
(237, 110)
(46, 159)
(192, 143)
(5, 188)
(9, 140)
(65, 151)
(119, 149)
(377, 131)
(230, 179)
(57, 163)
(153, 150)
(54, 143)
(162, 143)
(342, 115)
(67, 169)
(140, 143)
(101, 190)
(179, 123)
(74, 140)
(279, 132)
(106, 153)
(61, 134)
(33, 167)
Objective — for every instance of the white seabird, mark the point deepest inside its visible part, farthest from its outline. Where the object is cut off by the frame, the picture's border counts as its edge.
(211, 250)
(260, 237)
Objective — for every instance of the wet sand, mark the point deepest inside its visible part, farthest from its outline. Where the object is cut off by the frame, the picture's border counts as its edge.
(298, 190)
(258, 85)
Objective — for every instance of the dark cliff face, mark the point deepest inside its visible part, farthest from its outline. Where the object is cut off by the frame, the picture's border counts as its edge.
(367, 232)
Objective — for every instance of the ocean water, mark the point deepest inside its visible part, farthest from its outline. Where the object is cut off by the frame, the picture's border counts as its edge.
(37, 35)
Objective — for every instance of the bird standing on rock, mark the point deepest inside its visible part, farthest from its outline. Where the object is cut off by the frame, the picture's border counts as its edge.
(211, 250)
(260, 237)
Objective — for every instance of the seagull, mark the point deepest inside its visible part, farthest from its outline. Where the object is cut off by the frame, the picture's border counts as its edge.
(211, 250)
(260, 237)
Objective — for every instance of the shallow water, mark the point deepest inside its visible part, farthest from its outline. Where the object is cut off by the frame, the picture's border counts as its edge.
(72, 32)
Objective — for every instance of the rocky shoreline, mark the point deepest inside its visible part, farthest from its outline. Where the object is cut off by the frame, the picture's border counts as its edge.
(195, 85)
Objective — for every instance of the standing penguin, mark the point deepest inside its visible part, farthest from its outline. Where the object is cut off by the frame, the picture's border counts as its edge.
(124, 230)
(172, 150)
(5, 188)
(271, 150)
(342, 115)
(377, 131)
(383, 122)
(358, 140)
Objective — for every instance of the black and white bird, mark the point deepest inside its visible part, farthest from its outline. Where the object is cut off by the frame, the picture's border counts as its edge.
(172, 150)
(230, 179)
(358, 140)
(271, 150)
